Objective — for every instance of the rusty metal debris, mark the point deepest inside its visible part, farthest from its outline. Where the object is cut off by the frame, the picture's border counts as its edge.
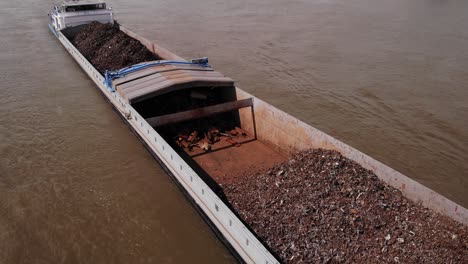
(210, 137)
(320, 207)
(193, 137)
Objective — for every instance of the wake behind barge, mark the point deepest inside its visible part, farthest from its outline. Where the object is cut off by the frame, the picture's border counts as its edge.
(203, 96)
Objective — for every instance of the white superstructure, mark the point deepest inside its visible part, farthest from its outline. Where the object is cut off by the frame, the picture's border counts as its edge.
(73, 13)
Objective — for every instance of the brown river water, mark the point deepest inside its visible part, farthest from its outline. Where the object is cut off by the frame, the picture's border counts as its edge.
(76, 186)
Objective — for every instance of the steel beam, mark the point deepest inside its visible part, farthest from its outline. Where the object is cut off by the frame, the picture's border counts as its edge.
(199, 112)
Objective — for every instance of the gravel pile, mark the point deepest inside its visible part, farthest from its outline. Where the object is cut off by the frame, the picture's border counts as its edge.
(322, 207)
(108, 48)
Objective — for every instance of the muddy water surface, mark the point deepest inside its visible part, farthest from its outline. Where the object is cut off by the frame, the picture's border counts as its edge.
(76, 186)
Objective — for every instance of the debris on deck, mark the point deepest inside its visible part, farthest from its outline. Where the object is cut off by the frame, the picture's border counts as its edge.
(108, 48)
(320, 207)
(204, 139)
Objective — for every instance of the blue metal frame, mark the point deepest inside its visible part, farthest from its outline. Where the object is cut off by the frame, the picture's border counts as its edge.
(111, 75)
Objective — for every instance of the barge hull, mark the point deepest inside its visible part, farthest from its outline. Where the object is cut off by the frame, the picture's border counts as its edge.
(232, 229)
(279, 130)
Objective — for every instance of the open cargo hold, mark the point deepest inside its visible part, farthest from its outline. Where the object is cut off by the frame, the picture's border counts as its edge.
(200, 191)
(322, 207)
(226, 135)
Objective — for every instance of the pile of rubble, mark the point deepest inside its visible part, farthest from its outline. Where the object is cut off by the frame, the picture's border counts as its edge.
(108, 48)
(204, 139)
(320, 207)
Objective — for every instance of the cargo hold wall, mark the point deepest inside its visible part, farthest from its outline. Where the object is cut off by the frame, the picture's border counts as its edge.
(288, 134)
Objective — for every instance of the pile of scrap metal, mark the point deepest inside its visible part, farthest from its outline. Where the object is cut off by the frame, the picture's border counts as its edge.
(206, 139)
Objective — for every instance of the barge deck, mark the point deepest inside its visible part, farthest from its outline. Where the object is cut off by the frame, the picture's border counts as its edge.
(270, 133)
(231, 230)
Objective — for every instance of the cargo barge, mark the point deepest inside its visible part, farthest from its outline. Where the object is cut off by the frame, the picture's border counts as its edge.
(205, 131)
